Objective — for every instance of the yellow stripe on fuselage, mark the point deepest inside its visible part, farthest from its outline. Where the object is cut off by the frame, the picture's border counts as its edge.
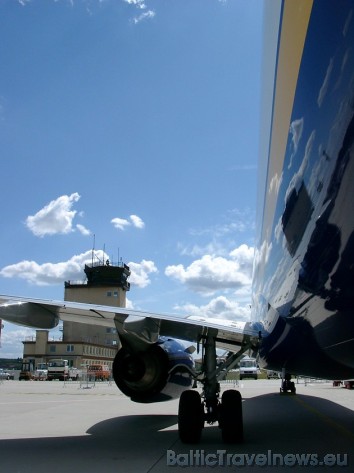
(295, 20)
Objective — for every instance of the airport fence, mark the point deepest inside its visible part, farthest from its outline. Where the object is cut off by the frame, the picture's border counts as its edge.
(87, 381)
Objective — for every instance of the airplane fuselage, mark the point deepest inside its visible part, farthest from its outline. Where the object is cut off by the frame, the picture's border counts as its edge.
(304, 265)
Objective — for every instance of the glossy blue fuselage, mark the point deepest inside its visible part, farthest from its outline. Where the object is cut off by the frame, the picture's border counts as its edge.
(304, 265)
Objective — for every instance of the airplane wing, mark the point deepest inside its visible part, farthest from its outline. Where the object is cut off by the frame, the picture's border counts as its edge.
(138, 328)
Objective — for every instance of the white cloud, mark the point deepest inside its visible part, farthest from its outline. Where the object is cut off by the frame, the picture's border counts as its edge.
(51, 273)
(296, 128)
(347, 23)
(237, 221)
(88, 4)
(220, 307)
(138, 3)
(212, 273)
(83, 230)
(137, 221)
(56, 217)
(129, 304)
(47, 274)
(275, 184)
(122, 223)
(140, 273)
(243, 254)
(197, 250)
(141, 5)
(11, 340)
(261, 256)
(298, 177)
(324, 88)
(144, 16)
(12, 337)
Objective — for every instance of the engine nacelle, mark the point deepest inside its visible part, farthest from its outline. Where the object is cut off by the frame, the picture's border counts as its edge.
(158, 374)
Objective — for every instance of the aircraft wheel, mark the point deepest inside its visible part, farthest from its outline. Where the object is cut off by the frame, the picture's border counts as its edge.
(190, 417)
(230, 421)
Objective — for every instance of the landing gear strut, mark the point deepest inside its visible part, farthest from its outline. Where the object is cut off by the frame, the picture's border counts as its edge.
(195, 409)
(287, 386)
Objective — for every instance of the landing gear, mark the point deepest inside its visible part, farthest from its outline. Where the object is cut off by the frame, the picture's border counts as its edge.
(195, 409)
(230, 419)
(287, 386)
(190, 417)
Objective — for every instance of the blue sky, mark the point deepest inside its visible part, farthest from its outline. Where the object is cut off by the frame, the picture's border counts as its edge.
(137, 122)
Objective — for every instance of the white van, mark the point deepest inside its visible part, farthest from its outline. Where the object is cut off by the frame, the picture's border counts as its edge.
(248, 368)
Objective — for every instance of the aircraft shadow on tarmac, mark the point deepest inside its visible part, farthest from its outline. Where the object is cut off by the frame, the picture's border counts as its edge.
(134, 425)
(283, 424)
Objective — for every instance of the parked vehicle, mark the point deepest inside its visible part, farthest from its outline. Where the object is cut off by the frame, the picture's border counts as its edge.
(59, 369)
(273, 374)
(27, 371)
(41, 372)
(248, 368)
(100, 372)
(5, 374)
(74, 374)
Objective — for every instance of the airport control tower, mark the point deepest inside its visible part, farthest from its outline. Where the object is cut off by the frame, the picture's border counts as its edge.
(106, 284)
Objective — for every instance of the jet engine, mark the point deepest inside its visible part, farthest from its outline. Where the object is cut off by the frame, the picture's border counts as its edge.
(159, 373)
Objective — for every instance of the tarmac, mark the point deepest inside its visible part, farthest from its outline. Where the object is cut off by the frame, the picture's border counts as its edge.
(64, 427)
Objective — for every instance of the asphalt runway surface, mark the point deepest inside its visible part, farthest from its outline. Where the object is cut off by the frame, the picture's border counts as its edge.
(56, 427)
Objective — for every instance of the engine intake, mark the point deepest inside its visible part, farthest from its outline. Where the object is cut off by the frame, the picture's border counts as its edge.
(160, 373)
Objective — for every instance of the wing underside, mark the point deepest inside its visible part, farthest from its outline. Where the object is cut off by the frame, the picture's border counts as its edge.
(138, 327)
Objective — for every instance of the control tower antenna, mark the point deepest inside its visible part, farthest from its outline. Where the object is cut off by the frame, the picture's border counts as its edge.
(93, 248)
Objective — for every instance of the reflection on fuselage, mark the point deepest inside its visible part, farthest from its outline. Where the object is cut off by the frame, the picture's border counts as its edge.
(304, 293)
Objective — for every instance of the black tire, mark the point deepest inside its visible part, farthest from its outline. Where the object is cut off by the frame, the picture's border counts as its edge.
(231, 421)
(190, 417)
